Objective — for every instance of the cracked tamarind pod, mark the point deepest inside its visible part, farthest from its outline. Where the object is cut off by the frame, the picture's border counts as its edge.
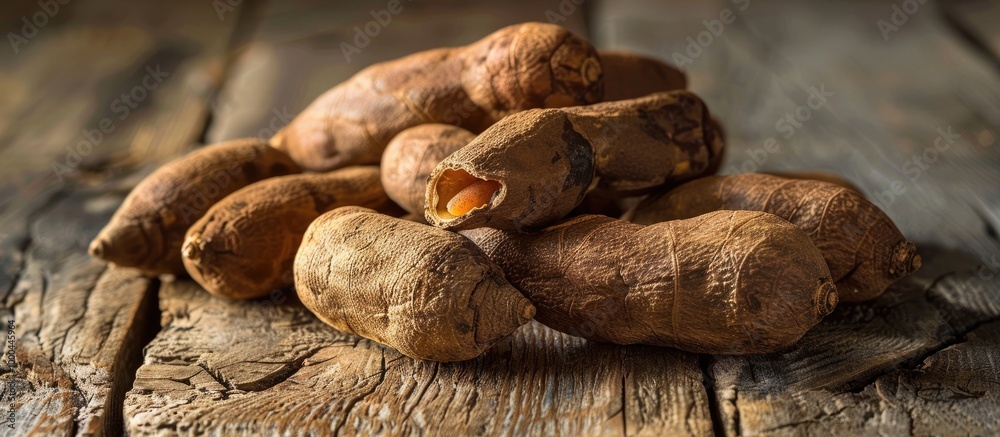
(411, 157)
(530, 65)
(534, 167)
(864, 249)
(427, 292)
(147, 230)
(718, 283)
(244, 246)
(630, 76)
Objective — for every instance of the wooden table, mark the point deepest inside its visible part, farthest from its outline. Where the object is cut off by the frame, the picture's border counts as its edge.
(910, 113)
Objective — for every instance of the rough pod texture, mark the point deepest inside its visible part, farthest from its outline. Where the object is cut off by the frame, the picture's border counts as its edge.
(816, 175)
(730, 282)
(147, 230)
(544, 161)
(429, 293)
(630, 76)
(863, 248)
(411, 157)
(530, 65)
(244, 246)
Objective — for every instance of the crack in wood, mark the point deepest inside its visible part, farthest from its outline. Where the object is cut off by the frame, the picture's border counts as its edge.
(349, 406)
(953, 337)
(714, 405)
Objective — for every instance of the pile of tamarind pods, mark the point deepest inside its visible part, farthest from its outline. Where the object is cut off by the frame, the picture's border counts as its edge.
(437, 202)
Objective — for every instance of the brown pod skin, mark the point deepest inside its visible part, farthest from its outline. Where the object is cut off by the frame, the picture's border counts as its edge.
(863, 248)
(630, 76)
(412, 155)
(147, 230)
(815, 175)
(546, 160)
(244, 246)
(719, 283)
(530, 65)
(429, 293)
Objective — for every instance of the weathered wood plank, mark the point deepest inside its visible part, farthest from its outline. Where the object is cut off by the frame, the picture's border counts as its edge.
(892, 99)
(291, 373)
(80, 324)
(121, 82)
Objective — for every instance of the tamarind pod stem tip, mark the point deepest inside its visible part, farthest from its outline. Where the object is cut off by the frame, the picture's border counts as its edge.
(904, 259)
(828, 298)
(98, 247)
(527, 313)
(193, 250)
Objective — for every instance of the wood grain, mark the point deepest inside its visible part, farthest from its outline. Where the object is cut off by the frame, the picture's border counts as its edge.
(867, 368)
(920, 360)
(81, 324)
(326, 382)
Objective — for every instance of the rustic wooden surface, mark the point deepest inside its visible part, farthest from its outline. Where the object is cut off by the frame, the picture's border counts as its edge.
(103, 351)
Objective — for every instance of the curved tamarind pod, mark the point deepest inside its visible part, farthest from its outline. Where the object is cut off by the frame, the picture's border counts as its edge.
(862, 246)
(530, 65)
(727, 282)
(411, 157)
(429, 293)
(630, 76)
(244, 246)
(546, 160)
(147, 230)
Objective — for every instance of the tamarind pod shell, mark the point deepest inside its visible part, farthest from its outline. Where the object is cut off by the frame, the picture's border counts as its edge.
(530, 65)
(543, 164)
(717, 283)
(630, 76)
(864, 249)
(645, 143)
(427, 292)
(245, 245)
(412, 155)
(147, 230)
(816, 175)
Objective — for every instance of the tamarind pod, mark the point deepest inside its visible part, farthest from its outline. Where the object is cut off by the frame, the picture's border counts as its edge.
(630, 76)
(412, 155)
(530, 65)
(244, 246)
(727, 282)
(429, 293)
(147, 230)
(864, 249)
(546, 160)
